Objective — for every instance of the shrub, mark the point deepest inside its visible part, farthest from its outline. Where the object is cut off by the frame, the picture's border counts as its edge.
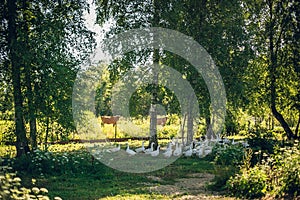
(168, 131)
(227, 160)
(286, 168)
(278, 175)
(230, 155)
(11, 188)
(8, 137)
(58, 162)
(250, 183)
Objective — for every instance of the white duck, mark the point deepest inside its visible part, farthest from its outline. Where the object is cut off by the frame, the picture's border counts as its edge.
(168, 151)
(149, 150)
(207, 150)
(174, 141)
(130, 151)
(200, 152)
(115, 149)
(189, 152)
(178, 150)
(245, 144)
(233, 142)
(138, 150)
(156, 152)
(186, 148)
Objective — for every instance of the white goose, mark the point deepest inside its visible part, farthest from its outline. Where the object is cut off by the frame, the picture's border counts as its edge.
(149, 150)
(208, 150)
(189, 152)
(156, 152)
(130, 151)
(233, 142)
(169, 151)
(138, 150)
(200, 152)
(115, 149)
(178, 150)
(245, 144)
(186, 148)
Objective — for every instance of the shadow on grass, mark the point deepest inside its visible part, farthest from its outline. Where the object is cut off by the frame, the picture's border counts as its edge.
(100, 181)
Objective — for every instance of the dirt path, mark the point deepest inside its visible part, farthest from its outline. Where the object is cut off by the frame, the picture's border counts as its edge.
(193, 187)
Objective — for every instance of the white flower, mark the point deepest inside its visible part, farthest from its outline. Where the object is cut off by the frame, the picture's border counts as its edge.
(44, 190)
(35, 190)
(17, 179)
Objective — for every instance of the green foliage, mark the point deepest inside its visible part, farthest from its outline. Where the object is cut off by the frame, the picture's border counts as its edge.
(50, 42)
(231, 123)
(262, 142)
(278, 175)
(229, 155)
(227, 160)
(11, 188)
(7, 151)
(7, 134)
(250, 183)
(168, 131)
(55, 161)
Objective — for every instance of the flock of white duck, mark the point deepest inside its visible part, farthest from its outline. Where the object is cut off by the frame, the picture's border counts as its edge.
(174, 148)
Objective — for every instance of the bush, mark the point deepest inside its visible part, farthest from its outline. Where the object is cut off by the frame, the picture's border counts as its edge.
(278, 175)
(43, 163)
(230, 155)
(222, 175)
(227, 160)
(263, 144)
(250, 183)
(8, 136)
(168, 131)
(11, 188)
(286, 168)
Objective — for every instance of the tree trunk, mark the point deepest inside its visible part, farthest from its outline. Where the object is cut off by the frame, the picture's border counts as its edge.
(153, 124)
(182, 128)
(297, 127)
(208, 128)
(27, 70)
(48, 116)
(190, 126)
(15, 57)
(47, 134)
(273, 74)
(153, 112)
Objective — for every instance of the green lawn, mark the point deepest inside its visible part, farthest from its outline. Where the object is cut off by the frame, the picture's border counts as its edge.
(104, 182)
(97, 181)
(68, 171)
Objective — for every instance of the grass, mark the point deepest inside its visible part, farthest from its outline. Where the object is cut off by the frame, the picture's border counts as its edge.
(104, 182)
(94, 180)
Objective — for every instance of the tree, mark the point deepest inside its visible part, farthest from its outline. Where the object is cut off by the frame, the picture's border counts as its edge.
(15, 57)
(218, 26)
(44, 43)
(279, 18)
(275, 25)
(124, 14)
(59, 43)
